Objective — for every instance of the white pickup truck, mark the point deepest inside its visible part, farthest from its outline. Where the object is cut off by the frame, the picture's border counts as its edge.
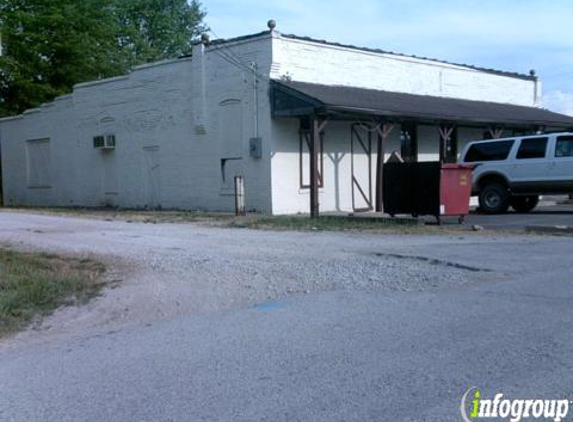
(515, 171)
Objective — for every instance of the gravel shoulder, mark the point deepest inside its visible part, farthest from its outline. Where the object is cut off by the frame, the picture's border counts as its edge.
(161, 271)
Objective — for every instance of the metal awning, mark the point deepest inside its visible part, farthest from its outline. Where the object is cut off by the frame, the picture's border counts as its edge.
(297, 99)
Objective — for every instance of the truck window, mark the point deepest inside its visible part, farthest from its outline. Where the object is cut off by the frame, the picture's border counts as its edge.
(564, 146)
(489, 151)
(532, 148)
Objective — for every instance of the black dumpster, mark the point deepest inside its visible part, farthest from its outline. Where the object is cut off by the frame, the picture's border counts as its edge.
(411, 188)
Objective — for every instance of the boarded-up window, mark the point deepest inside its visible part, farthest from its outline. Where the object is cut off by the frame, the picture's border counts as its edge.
(152, 168)
(38, 163)
(231, 128)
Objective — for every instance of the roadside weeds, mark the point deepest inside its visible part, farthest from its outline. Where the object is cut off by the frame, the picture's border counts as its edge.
(33, 285)
(332, 223)
(383, 225)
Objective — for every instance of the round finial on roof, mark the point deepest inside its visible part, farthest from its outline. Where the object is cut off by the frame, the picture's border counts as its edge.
(272, 24)
(205, 39)
(532, 72)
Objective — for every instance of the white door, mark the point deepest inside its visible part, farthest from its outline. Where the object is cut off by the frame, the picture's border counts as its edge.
(561, 162)
(530, 166)
(152, 176)
(110, 179)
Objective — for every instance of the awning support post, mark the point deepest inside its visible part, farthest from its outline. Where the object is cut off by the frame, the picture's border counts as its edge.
(316, 128)
(383, 132)
(445, 136)
(495, 132)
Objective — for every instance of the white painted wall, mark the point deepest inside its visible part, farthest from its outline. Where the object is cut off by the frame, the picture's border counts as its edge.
(336, 194)
(312, 62)
(306, 61)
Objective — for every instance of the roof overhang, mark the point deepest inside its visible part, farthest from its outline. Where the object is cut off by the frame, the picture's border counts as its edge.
(298, 99)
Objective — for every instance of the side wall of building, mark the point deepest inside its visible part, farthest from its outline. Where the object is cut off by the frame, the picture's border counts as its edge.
(182, 132)
(230, 111)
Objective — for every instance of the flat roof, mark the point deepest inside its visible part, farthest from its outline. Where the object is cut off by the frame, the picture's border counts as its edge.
(374, 50)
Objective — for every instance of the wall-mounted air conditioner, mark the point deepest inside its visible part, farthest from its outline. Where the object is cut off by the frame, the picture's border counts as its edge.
(104, 142)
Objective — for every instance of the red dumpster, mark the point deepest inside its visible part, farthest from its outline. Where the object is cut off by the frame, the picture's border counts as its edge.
(455, 190)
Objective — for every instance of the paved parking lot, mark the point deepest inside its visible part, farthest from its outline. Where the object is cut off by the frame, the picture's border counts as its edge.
(554, 215)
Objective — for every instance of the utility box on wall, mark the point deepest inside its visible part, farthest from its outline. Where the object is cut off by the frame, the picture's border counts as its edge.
(256, 148)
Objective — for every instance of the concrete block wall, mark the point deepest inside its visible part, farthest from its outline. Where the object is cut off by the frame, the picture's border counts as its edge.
(229, 120)
(170, 138)
(141, 109)
(38, 124)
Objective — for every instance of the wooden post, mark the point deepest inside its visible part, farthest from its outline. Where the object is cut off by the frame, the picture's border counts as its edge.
(383, 133)
(445, 136)
(239, 196)
(314, 208)
(315, 129)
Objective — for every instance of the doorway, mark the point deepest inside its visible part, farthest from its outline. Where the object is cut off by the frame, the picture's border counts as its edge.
(409, 143)
(152, 177)
(361, 167)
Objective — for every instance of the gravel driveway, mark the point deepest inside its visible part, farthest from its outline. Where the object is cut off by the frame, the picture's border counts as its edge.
(159, 271)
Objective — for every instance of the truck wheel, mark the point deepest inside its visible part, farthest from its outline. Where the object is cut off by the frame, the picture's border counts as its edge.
(494, 198)
(524, 203)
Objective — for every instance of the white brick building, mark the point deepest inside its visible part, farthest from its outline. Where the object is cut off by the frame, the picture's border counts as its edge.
(183, 128)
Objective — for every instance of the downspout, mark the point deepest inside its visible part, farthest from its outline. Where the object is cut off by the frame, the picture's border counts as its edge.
(255, 70)
(536, 89)
(199, 88)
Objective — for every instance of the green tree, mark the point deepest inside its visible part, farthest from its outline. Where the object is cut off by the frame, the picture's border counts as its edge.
(50, 45)
(152, 30)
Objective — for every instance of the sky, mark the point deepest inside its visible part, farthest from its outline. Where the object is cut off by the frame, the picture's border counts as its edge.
(512, 35)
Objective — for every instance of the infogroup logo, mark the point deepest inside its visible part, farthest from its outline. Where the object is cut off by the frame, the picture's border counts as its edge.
(474, 407)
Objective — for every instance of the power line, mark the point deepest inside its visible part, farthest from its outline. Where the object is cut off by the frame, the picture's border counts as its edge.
(224, 46)
(230, 60)
(229, 55)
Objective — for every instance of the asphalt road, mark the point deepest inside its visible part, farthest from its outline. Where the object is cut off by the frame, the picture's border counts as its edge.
(351, 352)
(547, 215)
(554, 215)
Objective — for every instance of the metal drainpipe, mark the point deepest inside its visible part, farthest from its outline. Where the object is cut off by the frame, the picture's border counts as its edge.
(254, 67)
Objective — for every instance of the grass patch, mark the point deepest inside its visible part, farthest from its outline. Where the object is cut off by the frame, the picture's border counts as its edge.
(133, 216)
(32, 285)
(334, 223)
(357, 223)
